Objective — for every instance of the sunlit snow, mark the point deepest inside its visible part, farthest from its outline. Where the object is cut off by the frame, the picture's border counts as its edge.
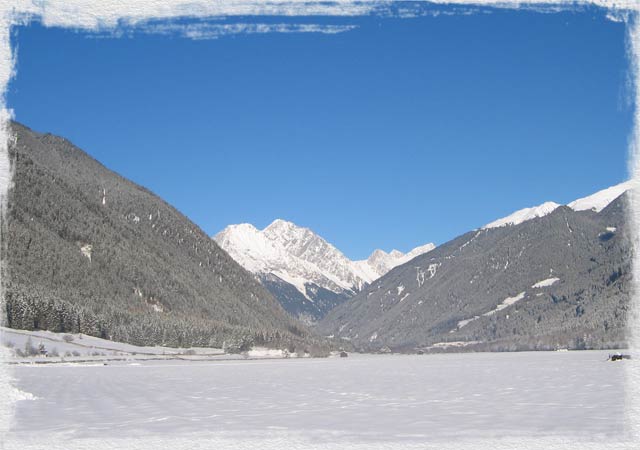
(595, 202)
(601, 199)
(523, 215)
(545, 283)
(505, 303)
(386, 399)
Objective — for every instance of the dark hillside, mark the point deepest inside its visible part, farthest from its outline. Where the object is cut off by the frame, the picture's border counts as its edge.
(562, 280)
(89, 251)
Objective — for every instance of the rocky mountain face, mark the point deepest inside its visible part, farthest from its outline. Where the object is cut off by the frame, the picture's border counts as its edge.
(543, 278)
(89, 251)
(308, 275)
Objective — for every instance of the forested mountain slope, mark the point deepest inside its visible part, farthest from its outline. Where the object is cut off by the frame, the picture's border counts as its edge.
(89, 251)
(560, 278)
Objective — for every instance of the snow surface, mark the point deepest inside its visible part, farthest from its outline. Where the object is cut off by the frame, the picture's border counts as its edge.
(377, 401)
(299, 256)
(262, 352)
(545, 283)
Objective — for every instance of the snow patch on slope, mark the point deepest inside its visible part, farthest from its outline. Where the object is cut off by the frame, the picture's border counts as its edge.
(86, 250)
(545, 283)
(505, 303)
(298, 282)
(465, 322)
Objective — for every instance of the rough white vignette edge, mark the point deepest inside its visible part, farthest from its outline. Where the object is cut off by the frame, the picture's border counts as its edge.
(633, 321)
(96, 15)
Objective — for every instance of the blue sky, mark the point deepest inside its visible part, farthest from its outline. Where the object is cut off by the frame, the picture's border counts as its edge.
(393, 134)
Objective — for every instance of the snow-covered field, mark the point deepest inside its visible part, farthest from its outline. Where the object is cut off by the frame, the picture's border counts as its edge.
(364, 401)
(64, 347)
(85, 346)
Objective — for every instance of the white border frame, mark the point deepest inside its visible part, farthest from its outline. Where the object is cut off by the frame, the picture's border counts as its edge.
(107, 15)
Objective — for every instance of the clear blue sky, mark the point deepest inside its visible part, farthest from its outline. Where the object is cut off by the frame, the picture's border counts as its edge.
(397, 133)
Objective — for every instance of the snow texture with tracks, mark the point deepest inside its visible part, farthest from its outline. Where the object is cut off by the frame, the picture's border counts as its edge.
(384, 401)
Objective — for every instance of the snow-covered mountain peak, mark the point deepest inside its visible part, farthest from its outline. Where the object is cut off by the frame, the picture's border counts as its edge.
(244, 228)
(280, 226)
(294, 254)
(248, 246)
(377, 253)
(379, 261)
(299, 256)
(289, 234)
(598, 201)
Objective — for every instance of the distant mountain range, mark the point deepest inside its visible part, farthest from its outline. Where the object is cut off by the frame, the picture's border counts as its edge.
(308, 275)
(91, 252)
(88, 251)
(546, 277)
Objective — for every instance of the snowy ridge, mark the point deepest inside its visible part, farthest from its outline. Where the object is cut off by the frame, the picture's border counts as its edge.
(523, 215)
(598, 201)
(298, 256)
(595, 202)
